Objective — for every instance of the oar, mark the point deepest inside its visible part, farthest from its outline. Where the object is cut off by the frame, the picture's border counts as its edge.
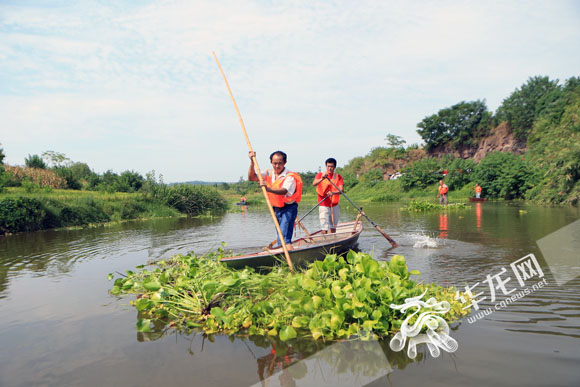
(284, 247)
(391, 241)
(299, 221)
(312, 209)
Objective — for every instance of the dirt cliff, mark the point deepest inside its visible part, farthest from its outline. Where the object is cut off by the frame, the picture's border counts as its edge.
(499, 139)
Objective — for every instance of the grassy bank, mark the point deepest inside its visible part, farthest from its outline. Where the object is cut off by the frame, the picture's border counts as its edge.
(31, 211)
(381, 191)
(22, 210)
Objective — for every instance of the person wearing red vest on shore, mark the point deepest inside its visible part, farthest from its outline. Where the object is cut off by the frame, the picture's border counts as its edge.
(329, 210)
(442, 195)
(284, 190)
(477, 191)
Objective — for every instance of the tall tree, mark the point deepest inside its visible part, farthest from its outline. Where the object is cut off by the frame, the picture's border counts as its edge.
(460, 124)
(35, 161)
(521, 108)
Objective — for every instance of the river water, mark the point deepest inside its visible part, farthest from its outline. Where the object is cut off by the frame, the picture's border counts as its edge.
(59, 326)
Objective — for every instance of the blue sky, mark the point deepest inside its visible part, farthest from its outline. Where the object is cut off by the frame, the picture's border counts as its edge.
(132, 85)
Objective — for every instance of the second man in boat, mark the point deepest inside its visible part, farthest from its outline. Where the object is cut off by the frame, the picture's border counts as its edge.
(284, 190)
(329, 210)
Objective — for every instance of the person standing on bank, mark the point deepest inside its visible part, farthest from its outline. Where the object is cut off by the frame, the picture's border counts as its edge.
(442, 195)
(329, 210)
(284, 190)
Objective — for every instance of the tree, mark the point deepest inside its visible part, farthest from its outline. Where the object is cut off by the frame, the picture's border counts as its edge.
(461, 123)
(420, 174)
(459, 173)
(129, 181)
(521, 108)
(55, 158)
(3, 175)
(35, 161)
(395, 141)
(81, 171)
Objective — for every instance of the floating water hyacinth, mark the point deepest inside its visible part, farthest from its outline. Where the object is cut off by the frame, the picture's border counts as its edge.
(337, 298)
(437, 330)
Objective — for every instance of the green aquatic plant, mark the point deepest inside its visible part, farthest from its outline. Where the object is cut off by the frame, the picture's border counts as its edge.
(336, 298)
(421, 205)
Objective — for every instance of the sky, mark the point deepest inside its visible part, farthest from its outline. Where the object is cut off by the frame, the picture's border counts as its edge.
(132, 85)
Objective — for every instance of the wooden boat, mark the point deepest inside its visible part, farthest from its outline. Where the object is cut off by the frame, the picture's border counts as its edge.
(306, 249)
(477, 200)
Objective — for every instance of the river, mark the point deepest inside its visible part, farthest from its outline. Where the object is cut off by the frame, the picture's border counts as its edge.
(59, 326)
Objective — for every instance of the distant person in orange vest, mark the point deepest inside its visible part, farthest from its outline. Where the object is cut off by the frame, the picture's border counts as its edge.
(329, 210)
(477, 190)
(284, 190)
(442, 195)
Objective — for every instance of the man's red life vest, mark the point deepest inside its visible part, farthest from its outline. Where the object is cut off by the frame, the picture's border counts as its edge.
(281, 200)
(443, 189)
(324, 187)
(478, 189)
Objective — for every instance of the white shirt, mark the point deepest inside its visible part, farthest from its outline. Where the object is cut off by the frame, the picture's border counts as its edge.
(289, 183)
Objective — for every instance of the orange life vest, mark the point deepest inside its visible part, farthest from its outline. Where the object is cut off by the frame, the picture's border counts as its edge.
(478, 189)
(324, 187)
(443, 189)
(281, 200)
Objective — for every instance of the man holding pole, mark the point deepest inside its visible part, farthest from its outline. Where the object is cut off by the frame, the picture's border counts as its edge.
(329, 210)
(442, 195)
(284, 189)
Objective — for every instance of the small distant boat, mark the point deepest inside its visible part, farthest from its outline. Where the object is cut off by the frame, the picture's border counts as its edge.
(306, 249)
(478, 200)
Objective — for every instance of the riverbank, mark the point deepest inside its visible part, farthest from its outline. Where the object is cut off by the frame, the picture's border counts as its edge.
(57, 208)
(381, 191)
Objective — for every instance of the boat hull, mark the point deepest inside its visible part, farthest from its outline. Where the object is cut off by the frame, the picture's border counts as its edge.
(477, 200)
(306, 250)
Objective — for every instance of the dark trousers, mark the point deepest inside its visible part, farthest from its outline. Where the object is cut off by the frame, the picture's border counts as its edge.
(286, 217)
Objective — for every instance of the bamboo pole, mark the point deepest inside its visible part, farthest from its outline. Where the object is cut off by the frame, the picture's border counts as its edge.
(278, 229)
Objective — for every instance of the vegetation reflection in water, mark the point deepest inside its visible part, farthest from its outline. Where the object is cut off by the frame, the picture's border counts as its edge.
(337, 298)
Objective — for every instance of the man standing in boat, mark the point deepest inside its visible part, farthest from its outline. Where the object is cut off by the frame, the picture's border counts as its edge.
(329, 210)
(477, 191)
(284, 190)
(442, 195)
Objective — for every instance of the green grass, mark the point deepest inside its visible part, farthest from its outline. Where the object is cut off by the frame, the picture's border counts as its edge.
(21, 210)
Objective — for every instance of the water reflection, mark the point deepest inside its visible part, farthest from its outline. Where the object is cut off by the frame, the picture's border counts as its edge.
(443, 219)
(59, 325)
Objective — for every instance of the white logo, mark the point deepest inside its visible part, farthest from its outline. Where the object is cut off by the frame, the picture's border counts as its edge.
(437, 335)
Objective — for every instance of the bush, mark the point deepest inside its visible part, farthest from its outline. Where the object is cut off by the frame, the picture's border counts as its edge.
(372, 177)
(459, 173)
(192, 199)
(21, 214)
(505, 175)
(420, 174)
(129, 181)
(67, 174)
